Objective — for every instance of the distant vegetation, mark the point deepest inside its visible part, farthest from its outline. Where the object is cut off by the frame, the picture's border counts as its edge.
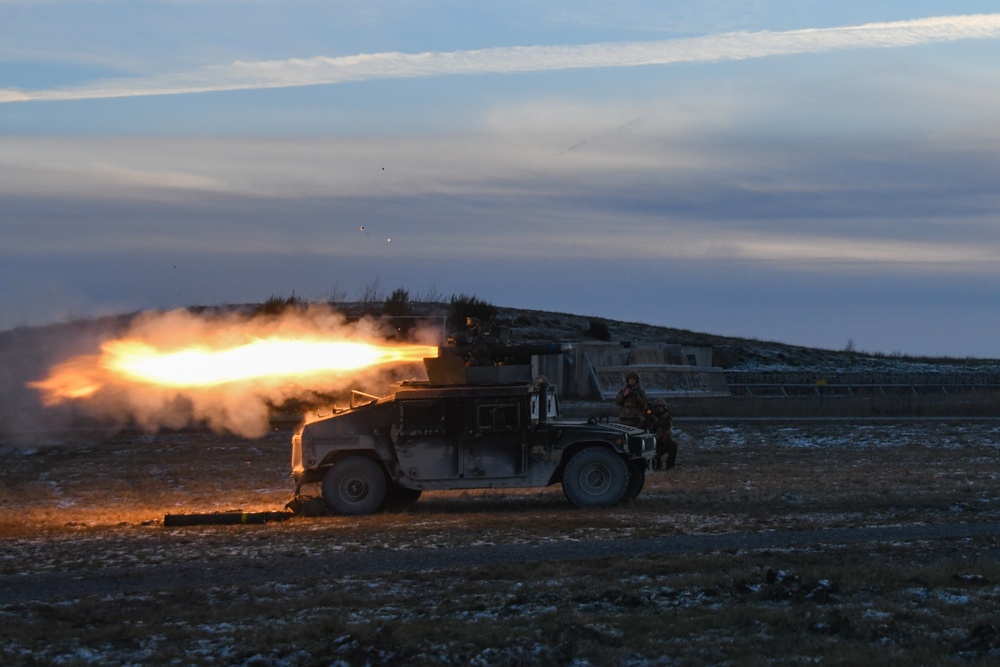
(373, 301)
(599, 330)
(465, 306)
(398, 304)
(275, 305)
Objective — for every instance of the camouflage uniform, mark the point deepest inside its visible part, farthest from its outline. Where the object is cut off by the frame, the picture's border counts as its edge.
(659, 421)
(631, 402)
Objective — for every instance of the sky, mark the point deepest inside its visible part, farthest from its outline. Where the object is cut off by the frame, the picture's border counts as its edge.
(814, 173)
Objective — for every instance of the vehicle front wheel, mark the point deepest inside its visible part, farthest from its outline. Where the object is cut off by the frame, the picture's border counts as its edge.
(636, 479)
(354, 485)
(595, 477)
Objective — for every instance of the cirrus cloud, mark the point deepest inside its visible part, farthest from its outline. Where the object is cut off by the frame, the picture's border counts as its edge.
(323, 70)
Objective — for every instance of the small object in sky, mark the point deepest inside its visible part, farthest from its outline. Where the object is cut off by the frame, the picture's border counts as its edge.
(388, 240)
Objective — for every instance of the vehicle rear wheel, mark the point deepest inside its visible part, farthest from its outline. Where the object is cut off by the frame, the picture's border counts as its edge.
(595, 477)
(398, 498)
(354, 485)
(636, 479)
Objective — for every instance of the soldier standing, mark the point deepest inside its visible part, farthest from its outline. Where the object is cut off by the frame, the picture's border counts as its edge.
(631, 402)
(660, 422)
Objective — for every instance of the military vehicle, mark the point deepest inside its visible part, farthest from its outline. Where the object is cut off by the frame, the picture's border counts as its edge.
(479, 421)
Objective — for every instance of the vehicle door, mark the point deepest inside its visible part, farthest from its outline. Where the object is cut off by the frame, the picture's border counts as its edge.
(426, 435)
(494, 438)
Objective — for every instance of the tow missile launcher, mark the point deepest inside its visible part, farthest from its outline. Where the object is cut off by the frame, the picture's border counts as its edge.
(479, 421)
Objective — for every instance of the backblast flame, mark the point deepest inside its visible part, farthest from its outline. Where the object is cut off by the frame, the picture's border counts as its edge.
(274, 359)
(199, 366)
(77, 378)
(228, 371)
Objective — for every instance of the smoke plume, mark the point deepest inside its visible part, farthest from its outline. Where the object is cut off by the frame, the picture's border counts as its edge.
(244, 406)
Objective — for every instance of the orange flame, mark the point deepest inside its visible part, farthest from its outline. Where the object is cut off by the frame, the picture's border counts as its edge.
(77, 378)
(201, 366)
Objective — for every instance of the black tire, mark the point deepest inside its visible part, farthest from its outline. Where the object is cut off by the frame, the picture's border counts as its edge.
(354, 485)
(595, 477)
(398, 498)
(636, 479)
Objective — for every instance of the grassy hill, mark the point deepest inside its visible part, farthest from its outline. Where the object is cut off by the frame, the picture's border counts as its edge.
(27, 353)
(750, 353)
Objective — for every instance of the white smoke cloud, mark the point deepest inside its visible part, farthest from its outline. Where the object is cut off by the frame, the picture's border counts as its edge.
(322, 70)
(242, 407)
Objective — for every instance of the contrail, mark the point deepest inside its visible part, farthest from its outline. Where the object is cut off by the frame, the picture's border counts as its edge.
(322, 70)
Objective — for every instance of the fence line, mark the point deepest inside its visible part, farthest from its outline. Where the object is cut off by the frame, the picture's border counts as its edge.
(799, 390)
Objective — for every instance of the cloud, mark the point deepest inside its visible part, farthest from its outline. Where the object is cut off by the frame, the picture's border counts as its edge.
(321, 70)
(896, 202)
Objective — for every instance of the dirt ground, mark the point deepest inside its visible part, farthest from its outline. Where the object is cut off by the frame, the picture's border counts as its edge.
(742, 554)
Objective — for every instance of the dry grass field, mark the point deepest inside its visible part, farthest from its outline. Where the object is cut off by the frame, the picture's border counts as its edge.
(90, 576)
(842, 540)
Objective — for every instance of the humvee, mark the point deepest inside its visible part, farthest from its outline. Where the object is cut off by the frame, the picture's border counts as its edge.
(467, 427)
